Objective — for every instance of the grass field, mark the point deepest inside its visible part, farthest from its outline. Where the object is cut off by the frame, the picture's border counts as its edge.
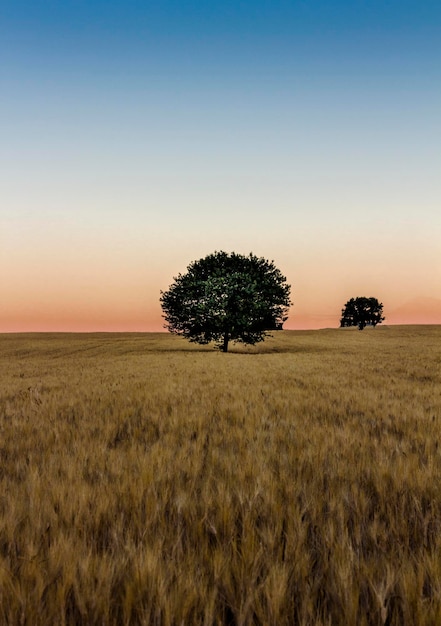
(146, 480)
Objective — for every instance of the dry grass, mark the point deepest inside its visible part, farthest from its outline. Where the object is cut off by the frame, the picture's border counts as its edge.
(145, 480)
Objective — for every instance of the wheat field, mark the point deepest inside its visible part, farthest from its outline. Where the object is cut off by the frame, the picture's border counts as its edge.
(145, 480)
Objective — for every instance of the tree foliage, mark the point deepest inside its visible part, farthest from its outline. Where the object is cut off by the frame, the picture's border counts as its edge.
(362, 312)
(227, 297)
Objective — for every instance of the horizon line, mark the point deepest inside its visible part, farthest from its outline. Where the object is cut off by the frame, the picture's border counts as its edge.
(156, 332)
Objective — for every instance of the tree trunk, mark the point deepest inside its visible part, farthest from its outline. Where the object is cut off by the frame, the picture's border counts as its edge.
(225, 345)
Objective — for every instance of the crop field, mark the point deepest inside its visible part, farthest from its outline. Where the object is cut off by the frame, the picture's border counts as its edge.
(145, 480)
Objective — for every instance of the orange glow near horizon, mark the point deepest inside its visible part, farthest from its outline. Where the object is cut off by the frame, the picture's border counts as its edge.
(122, 319)
(108, 285)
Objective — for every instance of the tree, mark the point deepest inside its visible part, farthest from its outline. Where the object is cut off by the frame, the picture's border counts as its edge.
(227, 297)
(362, 312)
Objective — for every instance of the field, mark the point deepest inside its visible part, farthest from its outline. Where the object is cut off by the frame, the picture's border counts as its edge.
(148, 481)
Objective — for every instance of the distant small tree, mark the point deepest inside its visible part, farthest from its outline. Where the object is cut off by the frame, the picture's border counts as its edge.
(227, 297)
(362, 312)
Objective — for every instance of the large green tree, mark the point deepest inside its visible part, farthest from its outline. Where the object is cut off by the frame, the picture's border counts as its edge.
(227, 297)
(362, 312)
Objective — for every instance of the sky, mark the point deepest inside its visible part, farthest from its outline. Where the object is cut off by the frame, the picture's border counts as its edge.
(139, 136)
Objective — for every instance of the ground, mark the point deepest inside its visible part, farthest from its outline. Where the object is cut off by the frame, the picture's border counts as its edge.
(147, 480)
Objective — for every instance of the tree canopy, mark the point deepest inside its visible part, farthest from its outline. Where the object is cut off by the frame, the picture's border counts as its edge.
(361, 312)
(227, 297)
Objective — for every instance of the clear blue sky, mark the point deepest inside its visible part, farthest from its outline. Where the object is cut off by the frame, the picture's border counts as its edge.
(137, 136)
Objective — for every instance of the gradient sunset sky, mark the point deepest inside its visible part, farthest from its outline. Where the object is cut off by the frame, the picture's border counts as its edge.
(137, 136)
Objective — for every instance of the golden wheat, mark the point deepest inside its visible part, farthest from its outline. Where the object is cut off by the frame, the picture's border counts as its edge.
(148, 481)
